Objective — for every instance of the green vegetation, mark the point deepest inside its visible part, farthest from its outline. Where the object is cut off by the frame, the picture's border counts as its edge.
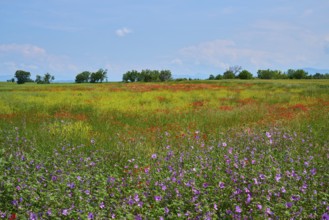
(147, 76)
(191, 149)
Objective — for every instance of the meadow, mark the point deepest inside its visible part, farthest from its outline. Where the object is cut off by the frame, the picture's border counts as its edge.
(255, 149)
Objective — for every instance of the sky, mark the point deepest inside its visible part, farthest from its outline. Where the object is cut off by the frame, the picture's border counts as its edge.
(192, 38)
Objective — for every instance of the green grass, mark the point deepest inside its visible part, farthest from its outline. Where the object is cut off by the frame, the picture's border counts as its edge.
(154, 150)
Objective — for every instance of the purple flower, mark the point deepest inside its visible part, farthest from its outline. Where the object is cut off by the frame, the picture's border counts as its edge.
(259, 206)
(313, 171)
(238, 209)
(157, 198)
(268, 135)
(205, 185)
(288, 205)
(138, 217)
(295, 198)
(154, 156)
(102, 205)
(248, 199)
(15, 203)
(111, 180)
(262, 176)
(136, 197)
(54, 178)
(166, 210)
(87, 192)
(90, 215)
(215, 207)
(71, 185)
(65, 212)
(277, 177)
(33, 216)
(224, 144)
(268, 211)
(325, 216)
(283, 190)
(221, 185)
(164, 187)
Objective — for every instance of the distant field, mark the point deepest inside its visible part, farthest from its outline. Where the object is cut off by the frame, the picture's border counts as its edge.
(118, 122)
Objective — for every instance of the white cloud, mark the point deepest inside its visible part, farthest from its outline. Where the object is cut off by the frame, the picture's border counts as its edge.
(33, 58)
(223, 53)
(25, 50)
(123, 32)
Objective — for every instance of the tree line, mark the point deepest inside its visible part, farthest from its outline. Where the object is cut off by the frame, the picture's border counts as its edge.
(236, 72)
(233, 72)
(24, 76)
(147, 76)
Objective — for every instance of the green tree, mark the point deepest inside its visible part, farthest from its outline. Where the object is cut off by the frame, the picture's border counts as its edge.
(245, 74)
(82, 77)
(98, 76)
(228, 74)
(297, 74)
(22, 76)
(165, 75)
(46, 79)
(211, 77)
(219, 76)
(130, 76)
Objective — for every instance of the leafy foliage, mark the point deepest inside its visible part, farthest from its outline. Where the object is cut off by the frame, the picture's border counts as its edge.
(147, 76)
(245, 74)
(46, 79)
(22, 76)
(95, 77)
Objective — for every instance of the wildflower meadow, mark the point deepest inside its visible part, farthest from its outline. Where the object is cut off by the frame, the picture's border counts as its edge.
(176, 150)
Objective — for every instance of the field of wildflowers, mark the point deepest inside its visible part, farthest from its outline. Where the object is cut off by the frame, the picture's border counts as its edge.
(224, 150)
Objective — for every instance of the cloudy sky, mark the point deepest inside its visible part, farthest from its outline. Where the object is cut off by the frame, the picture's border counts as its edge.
(189, 37)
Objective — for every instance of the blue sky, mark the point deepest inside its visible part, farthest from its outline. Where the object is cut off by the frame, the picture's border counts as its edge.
(189, 37)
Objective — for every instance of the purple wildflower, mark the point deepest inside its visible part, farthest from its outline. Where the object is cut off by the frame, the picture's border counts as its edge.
(65, 212)
(54, 178)
(221, 185)
(277, 177)
(259, 206)
(33, 216)
(71, 185)
(215, 207)
(90, 215)
(288, 205)
(136, 197)
(87, 192)
(295, 198)
(313, 171)
(15, 203)
(154, 156)
(238, 209)
(268, 211)
(166, 210)
(325, 216)
(262, 176)
(102, 205)
(157, 198)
